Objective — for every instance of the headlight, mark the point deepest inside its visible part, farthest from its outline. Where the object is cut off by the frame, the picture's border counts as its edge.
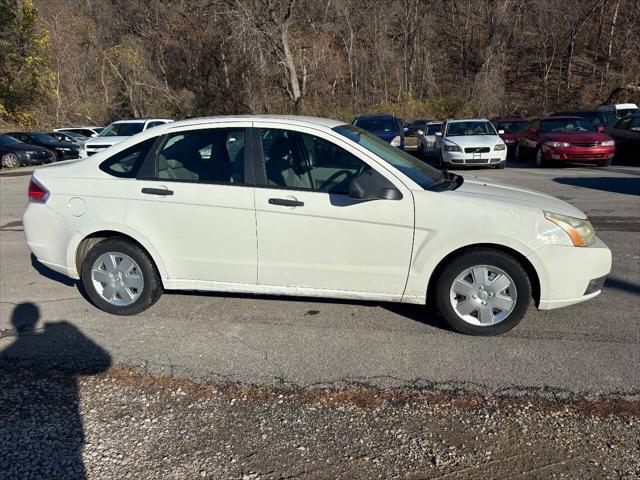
(64, 149)
(396, 141)
(500, 146)
(450, 147)
(608, 143)
(558, 144)
(579, 230)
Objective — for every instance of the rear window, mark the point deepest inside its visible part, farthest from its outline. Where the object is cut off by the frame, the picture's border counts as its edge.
(125, 164)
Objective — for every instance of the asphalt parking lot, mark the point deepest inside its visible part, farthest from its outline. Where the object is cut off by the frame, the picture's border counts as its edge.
(588, 350)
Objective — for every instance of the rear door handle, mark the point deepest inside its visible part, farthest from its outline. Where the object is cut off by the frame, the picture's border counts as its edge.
(286, 202)
(157, 191)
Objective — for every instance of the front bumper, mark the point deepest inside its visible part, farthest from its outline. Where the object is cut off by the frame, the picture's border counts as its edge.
(474, 159)
(570, 275)
(578, 154)
(36, 158)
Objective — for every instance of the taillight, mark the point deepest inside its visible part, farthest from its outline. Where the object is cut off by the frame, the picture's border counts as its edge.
(37, 192)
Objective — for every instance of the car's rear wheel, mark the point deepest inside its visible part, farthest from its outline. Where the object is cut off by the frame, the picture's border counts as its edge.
(120, 278)
(483, 292)
(10, 160)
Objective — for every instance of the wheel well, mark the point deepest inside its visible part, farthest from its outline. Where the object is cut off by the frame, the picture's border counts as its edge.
(524, 261)
(90, 241)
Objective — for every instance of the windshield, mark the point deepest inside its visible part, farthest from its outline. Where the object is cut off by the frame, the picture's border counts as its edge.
(377, 124)
(416, 170)
(8, 139)
(512, 127)
(567, 125)
(627, 111)
(433, 128)
(474, 127)
(122, 129)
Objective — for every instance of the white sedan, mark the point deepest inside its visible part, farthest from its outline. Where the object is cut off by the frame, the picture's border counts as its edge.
(472, 142)
(306, 207)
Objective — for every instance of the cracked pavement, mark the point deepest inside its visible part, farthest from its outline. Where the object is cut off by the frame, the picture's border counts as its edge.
(588, 350)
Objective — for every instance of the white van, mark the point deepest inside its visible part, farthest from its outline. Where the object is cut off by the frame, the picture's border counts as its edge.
(620, 110)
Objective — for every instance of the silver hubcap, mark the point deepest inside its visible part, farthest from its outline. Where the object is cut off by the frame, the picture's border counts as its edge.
(483, 295)
(10, 160)
(117, 278)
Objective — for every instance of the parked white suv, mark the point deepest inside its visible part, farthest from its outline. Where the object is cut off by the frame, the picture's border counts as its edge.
(306, 207)
(117, 132)
(470, 142)
(620, 110)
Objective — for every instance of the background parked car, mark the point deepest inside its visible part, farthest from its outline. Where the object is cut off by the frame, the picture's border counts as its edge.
(86, 131)
(412, 133)
(387, 127)
(117, 132)
(620, 110)
(564, 139)
(69, 137)
(470, 142)
(14, 153)
(427, 139)
(507, 128)
(61, 150)
(626, 133)
(598, 118)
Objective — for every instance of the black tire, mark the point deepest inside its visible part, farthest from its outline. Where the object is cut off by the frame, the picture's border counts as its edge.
(493, 258)
(604, 163)
(9, 160)
(151, 291)
(519, 153)
(501, 165)
(542, 163)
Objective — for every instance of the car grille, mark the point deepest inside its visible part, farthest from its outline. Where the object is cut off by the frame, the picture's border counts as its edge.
(477, 150)
(587, 156)
(475, 161)
(41, 154)
(587, 144)
(91, 149)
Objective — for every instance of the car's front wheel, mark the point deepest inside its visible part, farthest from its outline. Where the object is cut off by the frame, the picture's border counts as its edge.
(120, 278)
(483, 292)
(540, 161)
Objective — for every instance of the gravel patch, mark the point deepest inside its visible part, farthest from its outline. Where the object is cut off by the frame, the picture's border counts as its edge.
(124, 424)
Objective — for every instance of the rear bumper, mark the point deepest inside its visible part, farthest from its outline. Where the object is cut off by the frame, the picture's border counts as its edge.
(570, 275)
(48, 236)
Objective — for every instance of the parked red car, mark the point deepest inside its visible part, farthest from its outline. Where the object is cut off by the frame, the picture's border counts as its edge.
(509, 126)
(564, 139)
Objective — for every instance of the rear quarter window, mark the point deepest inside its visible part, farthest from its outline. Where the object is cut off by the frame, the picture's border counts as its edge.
(126, 163)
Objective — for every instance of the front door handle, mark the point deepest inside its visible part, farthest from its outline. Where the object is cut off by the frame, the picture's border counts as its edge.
(286, 202)
(157, 191)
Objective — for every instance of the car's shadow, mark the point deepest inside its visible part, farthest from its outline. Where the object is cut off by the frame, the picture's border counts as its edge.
(426, 315)
(625, 186)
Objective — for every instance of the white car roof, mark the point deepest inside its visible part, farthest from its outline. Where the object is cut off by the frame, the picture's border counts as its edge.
(143, 120)
(325, 122)
(620, 106)
(457, 120)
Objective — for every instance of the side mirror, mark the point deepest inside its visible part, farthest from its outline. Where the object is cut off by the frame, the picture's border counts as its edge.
(373, 187)
(533, 130)
(500, 132)
(600, 129)
(420, 132)
(405, 129)
(438, 134)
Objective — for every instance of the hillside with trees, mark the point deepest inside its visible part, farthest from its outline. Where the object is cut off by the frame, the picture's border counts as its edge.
(92, 61)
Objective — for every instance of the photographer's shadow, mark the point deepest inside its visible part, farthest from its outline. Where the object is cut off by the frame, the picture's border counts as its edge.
(40, 422)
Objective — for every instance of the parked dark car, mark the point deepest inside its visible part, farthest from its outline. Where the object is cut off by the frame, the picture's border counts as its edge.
(509, 126)
(412, 132)
(69, 137)
(598, 118)
(14, 153)
(61, 150)
(564, 139)
(387, 127)
(626, 133)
